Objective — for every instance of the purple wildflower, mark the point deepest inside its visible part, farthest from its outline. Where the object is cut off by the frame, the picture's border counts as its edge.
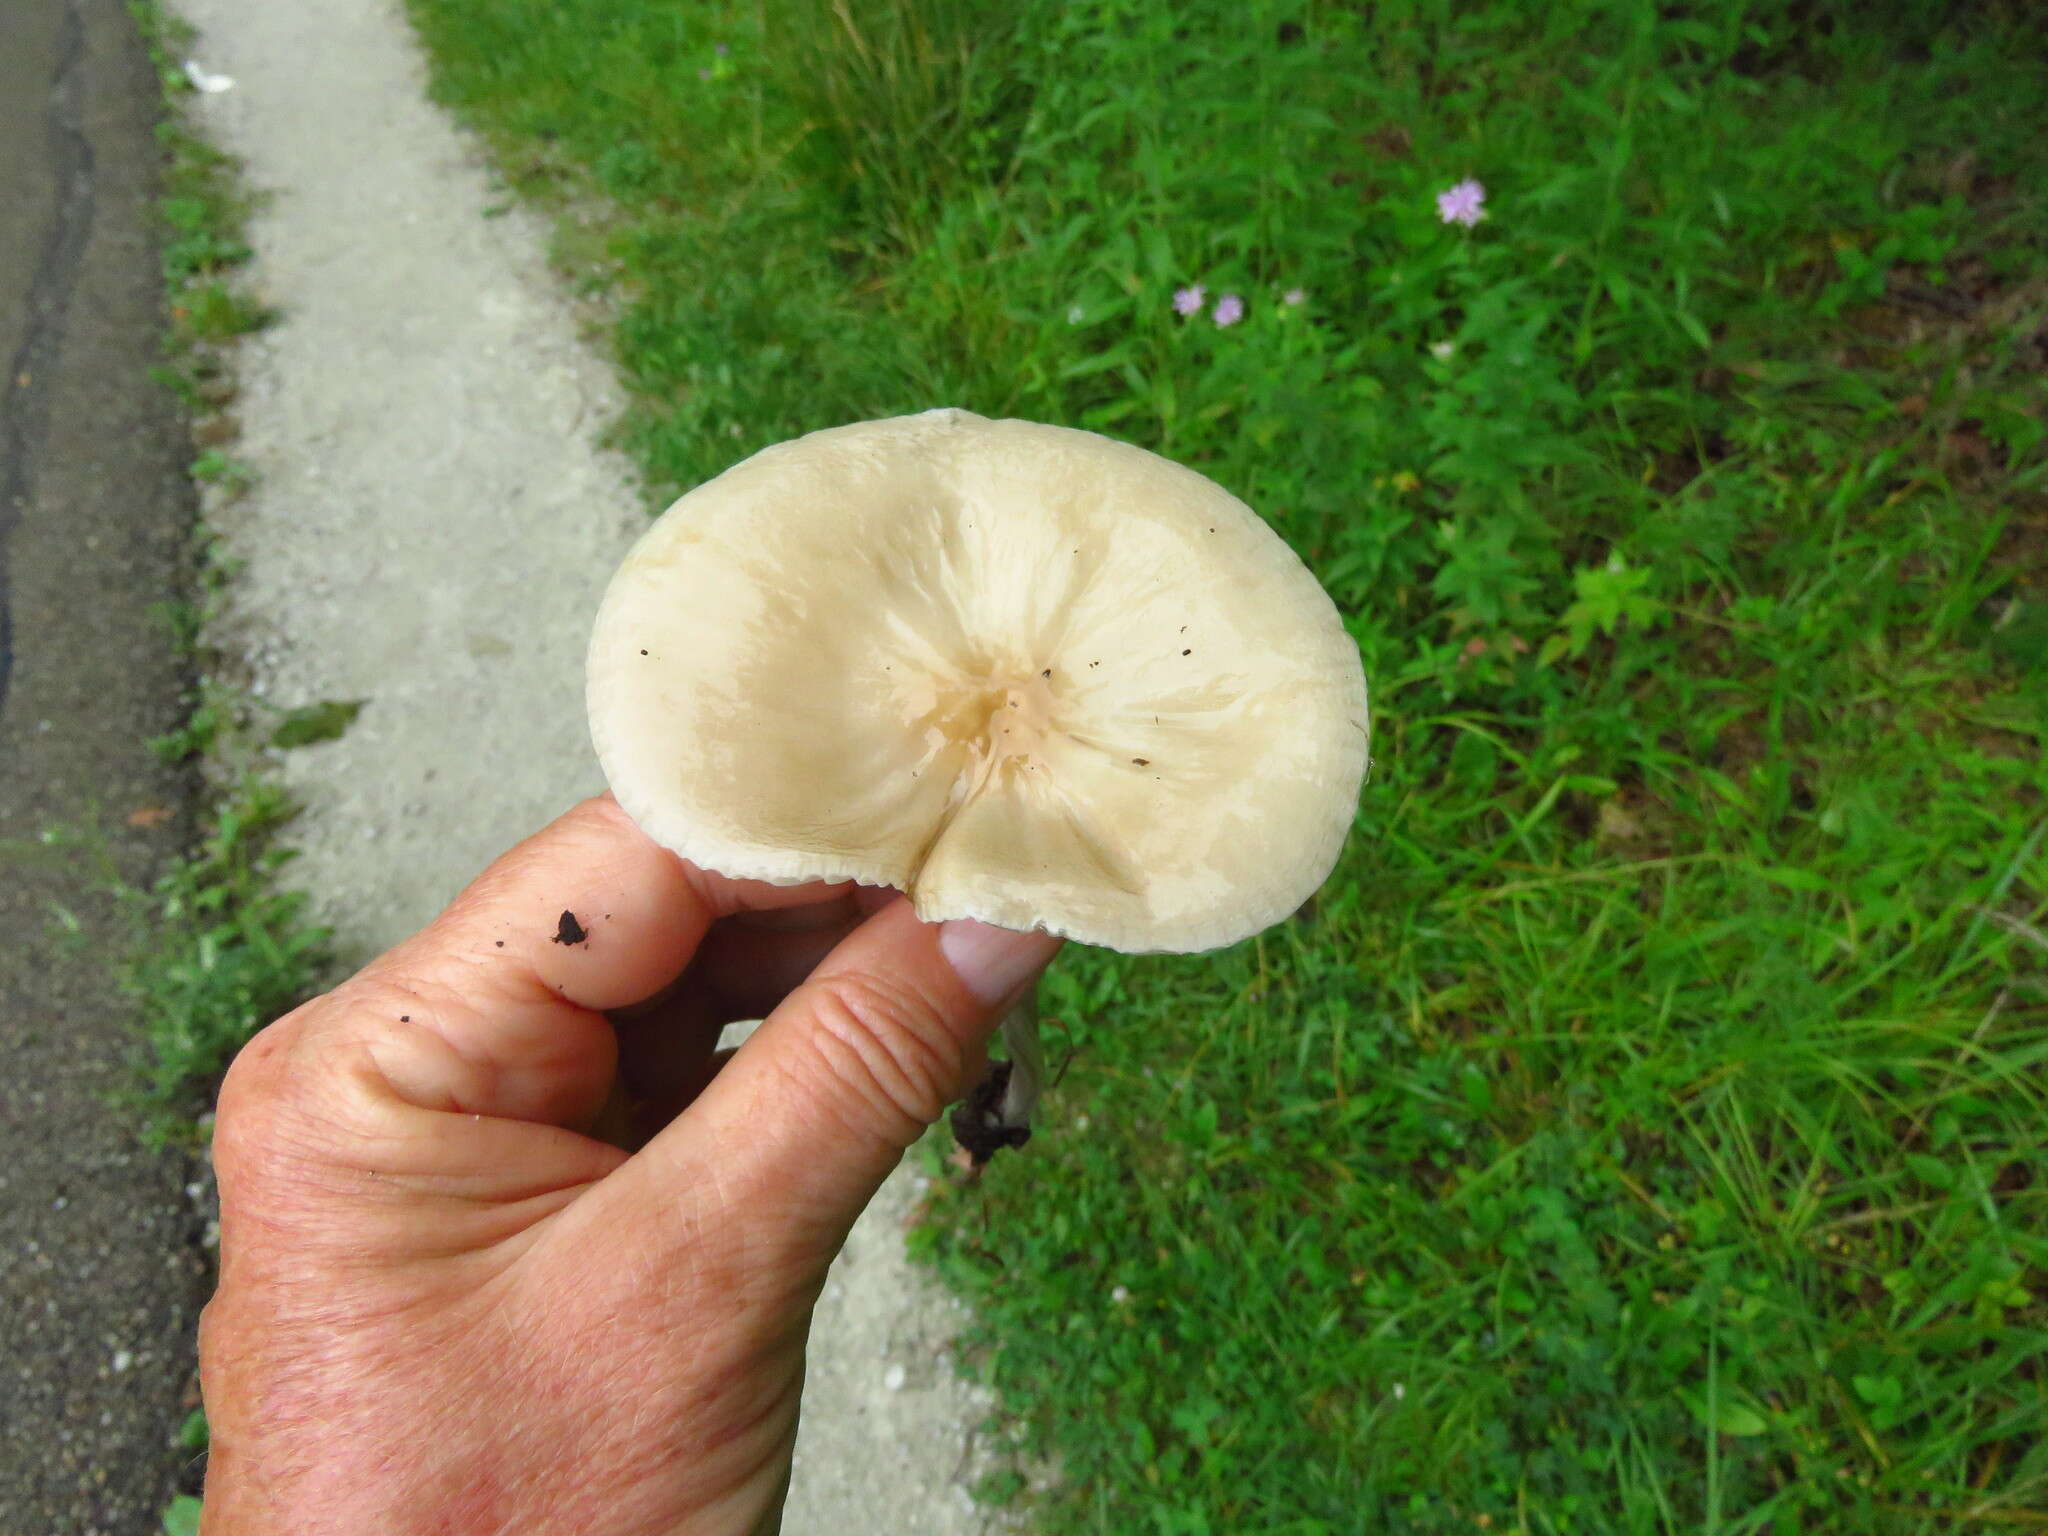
(1187, 301)
(703, 74)
(721, 49)
(1463, 204)
(1293, 296)
(1229, 309)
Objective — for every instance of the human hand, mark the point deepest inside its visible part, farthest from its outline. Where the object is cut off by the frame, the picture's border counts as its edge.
(445, 1305)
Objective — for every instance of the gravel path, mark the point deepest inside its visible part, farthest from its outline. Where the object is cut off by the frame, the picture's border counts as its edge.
(430, 530)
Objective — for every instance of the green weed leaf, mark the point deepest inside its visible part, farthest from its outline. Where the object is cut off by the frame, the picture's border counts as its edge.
(1608, 596)
(1931, 1171)
(309, 723)
(1729, 1415)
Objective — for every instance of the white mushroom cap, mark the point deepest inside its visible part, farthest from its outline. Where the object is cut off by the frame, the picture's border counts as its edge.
(1027, 674)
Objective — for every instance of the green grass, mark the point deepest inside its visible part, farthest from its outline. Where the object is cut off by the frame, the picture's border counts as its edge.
(202, 209)
(209, 952)
(1646, 1131)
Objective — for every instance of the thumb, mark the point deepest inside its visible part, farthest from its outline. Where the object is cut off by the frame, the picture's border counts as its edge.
(812, 1113)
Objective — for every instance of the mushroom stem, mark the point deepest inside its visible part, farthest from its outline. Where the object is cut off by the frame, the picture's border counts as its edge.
(1027, 1062)
(998, 1112)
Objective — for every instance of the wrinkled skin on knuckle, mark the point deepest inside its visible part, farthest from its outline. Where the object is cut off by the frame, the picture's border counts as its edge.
(321, 1081)
(261, 1121)
(388, 1023)
(301, 1140)
(890, 1047)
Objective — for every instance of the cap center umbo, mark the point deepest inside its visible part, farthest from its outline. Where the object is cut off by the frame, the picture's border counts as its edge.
(1003, 718)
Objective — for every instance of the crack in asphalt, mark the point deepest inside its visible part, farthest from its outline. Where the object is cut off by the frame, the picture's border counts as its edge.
(24, 393)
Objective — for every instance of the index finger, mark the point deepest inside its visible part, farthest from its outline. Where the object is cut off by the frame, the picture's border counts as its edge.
(498, 1006)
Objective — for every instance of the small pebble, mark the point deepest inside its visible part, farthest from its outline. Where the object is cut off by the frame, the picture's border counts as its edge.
(894, 1378)
(123, 1359)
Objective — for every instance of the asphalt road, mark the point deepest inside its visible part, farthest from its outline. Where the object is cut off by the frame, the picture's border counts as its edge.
(101, 1277)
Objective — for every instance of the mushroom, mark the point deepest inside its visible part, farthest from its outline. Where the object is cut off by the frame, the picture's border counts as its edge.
(1023, 673)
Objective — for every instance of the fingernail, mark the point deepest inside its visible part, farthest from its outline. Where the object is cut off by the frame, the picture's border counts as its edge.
(993, 962)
